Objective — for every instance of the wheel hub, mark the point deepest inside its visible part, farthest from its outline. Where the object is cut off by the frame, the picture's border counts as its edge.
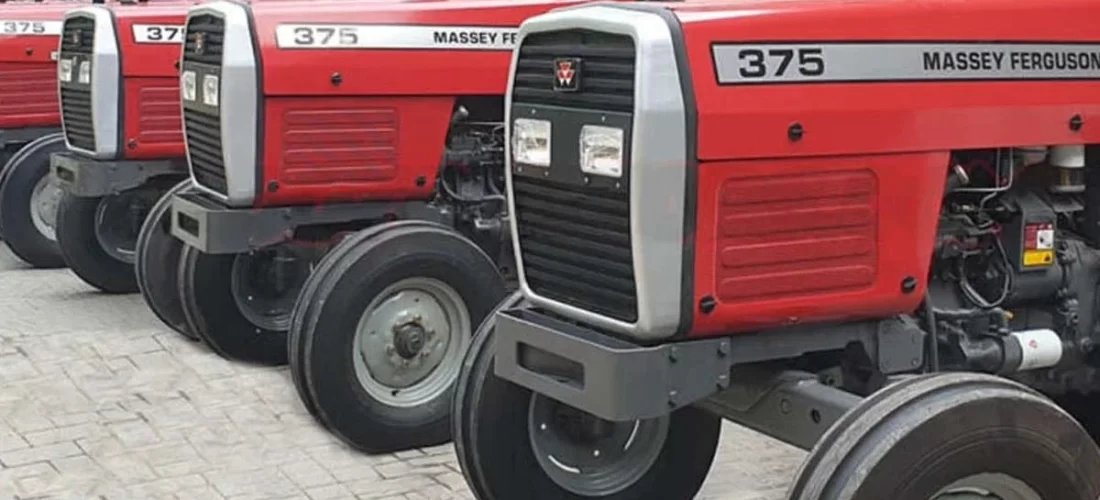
(266, 284)
(118, 221)
(582, 427)
(410, 340)
(988, 487)
(45, 199)
(589, 456)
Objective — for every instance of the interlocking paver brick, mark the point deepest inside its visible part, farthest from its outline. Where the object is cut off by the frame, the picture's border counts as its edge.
(98, 400)
(330, 492)
(39, 454)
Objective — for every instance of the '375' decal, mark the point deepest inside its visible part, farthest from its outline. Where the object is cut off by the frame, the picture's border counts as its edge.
(158, 33)
(29, 28)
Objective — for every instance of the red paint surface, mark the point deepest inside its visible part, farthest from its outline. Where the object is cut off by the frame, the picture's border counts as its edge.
(809, 239)
(152, 127)
(28, 75)
(353, 148)
(827, 227)
(385, 125)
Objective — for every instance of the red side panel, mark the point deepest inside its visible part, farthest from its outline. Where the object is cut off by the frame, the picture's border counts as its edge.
(803, 240)
(151, 97)
(28, 71)
(28, 95)
(390, 72)
(346, 149)
(751, 121)
(153, 129)
(149, 59)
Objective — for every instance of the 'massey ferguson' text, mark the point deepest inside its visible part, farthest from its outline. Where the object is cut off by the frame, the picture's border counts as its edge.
(1013, 61)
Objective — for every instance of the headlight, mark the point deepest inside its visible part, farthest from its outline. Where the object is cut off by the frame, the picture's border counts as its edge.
(531, 142)
(65, 70)
(602, 150)
(210, 90)
(85, 75)
(187, 85)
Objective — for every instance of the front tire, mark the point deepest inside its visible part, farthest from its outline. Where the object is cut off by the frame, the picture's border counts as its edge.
(511, 444)
(97, 236)
(381, 335)
(156, 268)
(14, 153)
(957, 436)
(28, 204)
(237, 312)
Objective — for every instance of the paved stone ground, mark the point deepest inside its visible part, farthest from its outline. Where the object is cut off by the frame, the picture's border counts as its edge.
(98, 400)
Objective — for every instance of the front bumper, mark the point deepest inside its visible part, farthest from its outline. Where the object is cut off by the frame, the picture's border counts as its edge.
(88, 177)
(208, 224)
(603, 375)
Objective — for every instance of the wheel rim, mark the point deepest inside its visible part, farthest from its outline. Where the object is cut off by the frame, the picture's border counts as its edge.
(410, 341)
(118, 221)
(590, 456)
(989, 486)
(265, 286)
(45, 198)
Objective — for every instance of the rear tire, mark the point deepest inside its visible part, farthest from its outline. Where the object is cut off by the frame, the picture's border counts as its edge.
(945, 436)
(381, 331)
(156, 269)
(29, 230)
(495, 442)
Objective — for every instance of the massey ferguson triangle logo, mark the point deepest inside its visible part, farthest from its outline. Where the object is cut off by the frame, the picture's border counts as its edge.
(200, 43)
(567, 74)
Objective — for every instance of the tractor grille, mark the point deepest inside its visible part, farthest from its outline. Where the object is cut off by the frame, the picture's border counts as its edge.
(77, 40)
(574, 237)
(205, 32)
(608, 68)
(202, 54)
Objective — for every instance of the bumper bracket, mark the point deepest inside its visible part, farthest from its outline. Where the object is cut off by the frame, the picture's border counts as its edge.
(605, 376)
(214, 228)
(89, 178)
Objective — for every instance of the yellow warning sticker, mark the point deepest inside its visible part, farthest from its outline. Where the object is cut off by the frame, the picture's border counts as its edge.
(1038, 258)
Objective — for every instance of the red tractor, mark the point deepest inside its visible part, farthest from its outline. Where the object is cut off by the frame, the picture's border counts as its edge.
(868, 229)
(29, 126)
(309, 122)
(119, 86)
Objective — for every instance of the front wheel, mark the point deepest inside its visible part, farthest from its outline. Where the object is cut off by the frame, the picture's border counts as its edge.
(953, 436)
(156, 265)
(29, 201)
(240, 305)
(381, 330)
(98, 236)
(512, 443)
